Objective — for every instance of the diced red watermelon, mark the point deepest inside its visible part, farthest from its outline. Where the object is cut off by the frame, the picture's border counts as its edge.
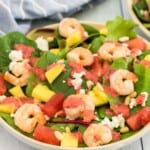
(2, 85)
(79, 135)
(54, 105)
(137, 43)
(110, 91)
(115, 136)
(45, 134)
(26, 49)
(121, 108)
(39, 72)
(139, 119)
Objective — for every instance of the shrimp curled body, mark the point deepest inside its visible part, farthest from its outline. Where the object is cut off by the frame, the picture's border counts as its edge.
(79, 106)
(97, 134)
(81, 56)
(20, 74)
(112, 51)
(27, 117)
(122, 81)
(70, 25)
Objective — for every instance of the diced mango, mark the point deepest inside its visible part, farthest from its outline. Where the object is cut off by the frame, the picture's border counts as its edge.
(54, 51)
(104, 31)
(69, 140)
(54, 72)
(42, 93)
(98, 96)
(7, 108)
(17, 91)
(74, 38)
(147, 57)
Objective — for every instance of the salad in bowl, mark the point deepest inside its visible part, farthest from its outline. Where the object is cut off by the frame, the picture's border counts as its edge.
(76, 85)
(140, 13)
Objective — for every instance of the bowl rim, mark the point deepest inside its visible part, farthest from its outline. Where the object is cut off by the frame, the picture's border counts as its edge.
(136, 19)
(41, 145)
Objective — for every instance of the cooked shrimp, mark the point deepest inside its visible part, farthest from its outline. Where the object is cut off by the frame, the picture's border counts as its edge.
(112, 51)
(80, 105)
(122, 81)
(70, 25)
(97, 134)
(28, 116)
(20, 74)
(81, 56)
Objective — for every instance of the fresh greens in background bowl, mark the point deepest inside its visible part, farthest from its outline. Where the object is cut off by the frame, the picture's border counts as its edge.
(140, 13)
(66, 94)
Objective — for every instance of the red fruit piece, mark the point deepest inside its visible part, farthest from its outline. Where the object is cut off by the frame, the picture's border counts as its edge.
(54, 105)
(139, 119)
(2, 85)
(26, 50)
(45, 134)
(121, 108)
(137, 43)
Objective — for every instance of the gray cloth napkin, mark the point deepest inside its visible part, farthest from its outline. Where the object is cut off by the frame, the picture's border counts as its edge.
(17, 15)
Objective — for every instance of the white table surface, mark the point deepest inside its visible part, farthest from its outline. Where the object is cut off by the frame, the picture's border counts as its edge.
(101, 12)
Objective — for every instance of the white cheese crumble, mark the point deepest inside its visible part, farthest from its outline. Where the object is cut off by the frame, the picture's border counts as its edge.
(42, 44)
(2, 97)
(132, 103)
(82, 91)
(77, 81)
(117, 121)
(145, 99)
(58, 135)
(123, 39)
(16, 55)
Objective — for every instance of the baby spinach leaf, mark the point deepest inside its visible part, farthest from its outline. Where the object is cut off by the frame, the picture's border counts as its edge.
(59, 84)
(46, 59)
(8, 118)
(147, 52)
(90, 30)
(142, 85)
(120, 27)
(119, 63)
(96, 43)
(7, 43)
(30, 86)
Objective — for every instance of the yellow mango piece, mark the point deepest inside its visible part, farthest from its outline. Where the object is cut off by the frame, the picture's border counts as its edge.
(69, 140)
(42, 93)
(54, 72)
(147, 57)
(17, 91)
(74, 38)
(54, 51)
(98, 96)
(7, 108)
(104, 31)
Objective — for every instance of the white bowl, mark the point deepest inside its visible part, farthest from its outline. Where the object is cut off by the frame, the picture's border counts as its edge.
(136, 19)
(44, 146)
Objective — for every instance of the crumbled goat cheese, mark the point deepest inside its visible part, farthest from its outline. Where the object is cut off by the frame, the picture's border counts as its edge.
(42, 44)
(132, 103)
(117, 121)
(82, 91)
(77, 81)
(2, 97)
(58, 135)
(16, 55)
(124, 39)
(145, 99)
